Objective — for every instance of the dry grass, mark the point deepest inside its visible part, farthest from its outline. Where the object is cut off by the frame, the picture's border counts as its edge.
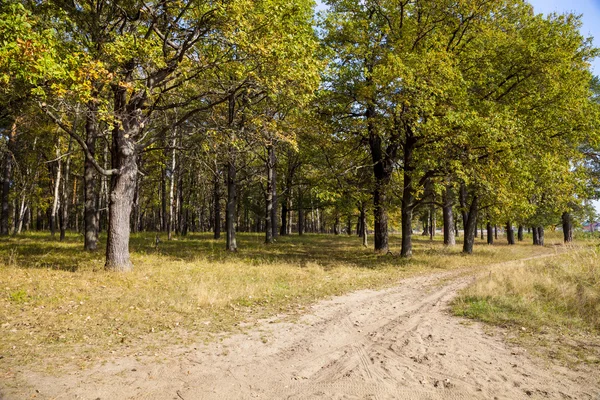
(58, 305)
(553, 304)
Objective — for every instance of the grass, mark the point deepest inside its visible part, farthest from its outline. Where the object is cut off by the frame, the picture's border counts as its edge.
(552, 305)
(57, 304)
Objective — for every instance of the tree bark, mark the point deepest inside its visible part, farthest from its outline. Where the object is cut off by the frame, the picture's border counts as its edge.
(408, 197)
(124, 160)
(510, 233)
(363, 225)
(274, 228)
(56, 201)
(471, 226)
(567, 224)
(217, 203)
(490, 233)
(540, 230)
(90, 193)
(448, 201)
(520, 233)
(270, 164)
(64, 203)
(230, 212)
(536, 239)
(300, 213)
(7, 177)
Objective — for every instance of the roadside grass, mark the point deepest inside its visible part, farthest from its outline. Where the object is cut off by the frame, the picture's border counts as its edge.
(550, 305)
(58, 305)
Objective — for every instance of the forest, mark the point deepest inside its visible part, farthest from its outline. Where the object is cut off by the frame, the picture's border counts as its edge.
(364, 118)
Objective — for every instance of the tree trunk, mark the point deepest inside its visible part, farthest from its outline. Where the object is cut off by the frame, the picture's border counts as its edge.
(408, 198)
(64, 203)
(510, 233)
(274, 228)
(217, 203)
(363, 225)
(90, 208)
(56, 201)
(540, 230)
(520, 233)
(536, 239)
(284, 216)
(8, 161)
(300, 214)
(567, 224)
(230, 212)
(471, 226)
(270, 164)
(124, 160)
(171, 175)
(449, 234)
(496, 232)
(490, 233)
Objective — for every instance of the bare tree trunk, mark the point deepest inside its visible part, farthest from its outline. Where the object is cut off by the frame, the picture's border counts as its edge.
(520, 233)
(567, 224)
(64, 203)
(363, 225)
(171, 176)
(449, 234)
(90, 210)
(270, 164)
(230, 214)
(300, 213)
(56, 202)
(540, 234)
(471, 226)
(217, 203)
(8, 161)
(490, 233)
(510, 233)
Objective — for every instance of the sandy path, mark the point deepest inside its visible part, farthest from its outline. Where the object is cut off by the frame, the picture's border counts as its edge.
(399, 343)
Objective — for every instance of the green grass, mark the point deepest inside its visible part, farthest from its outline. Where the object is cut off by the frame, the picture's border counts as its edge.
(554, 303)
(57, 304)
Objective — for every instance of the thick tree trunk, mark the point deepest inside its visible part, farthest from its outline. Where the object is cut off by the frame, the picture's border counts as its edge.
(540, 230)
(520, 233)
(90, 193)
(230, 212)
(490, 233)
(448, 201)
(408, 197)
(471, 226)
(567, 224)
(7, 176)
(121, 200)
(536, 239)
(510, 233)
(270, 164)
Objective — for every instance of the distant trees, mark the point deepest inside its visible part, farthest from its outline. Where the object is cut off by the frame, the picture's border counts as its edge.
(241, 115)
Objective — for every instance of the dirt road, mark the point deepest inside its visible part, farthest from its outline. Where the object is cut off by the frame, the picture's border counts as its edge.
(399, 343)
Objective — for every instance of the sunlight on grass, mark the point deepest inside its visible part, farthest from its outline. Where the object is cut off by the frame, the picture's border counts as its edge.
(57, 302)
(558, 297)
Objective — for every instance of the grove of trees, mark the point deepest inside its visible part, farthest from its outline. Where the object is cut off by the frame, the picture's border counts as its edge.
(264, 116)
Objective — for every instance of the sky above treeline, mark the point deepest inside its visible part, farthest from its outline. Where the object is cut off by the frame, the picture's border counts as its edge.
(590, 9)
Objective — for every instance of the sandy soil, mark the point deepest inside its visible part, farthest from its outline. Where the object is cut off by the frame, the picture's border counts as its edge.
(399, 343)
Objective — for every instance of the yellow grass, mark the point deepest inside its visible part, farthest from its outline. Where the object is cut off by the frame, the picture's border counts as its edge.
(57, 304)
(552, 303)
